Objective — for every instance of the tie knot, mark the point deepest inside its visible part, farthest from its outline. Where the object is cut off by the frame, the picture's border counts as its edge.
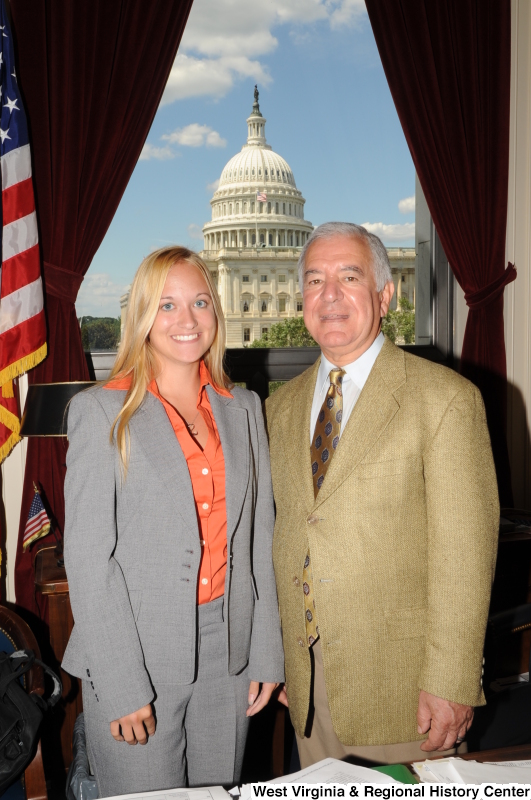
(336, 376)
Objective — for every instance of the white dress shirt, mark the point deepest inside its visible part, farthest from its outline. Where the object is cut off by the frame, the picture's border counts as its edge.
(353, 382)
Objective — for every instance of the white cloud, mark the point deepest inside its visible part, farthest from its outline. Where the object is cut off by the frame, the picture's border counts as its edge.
(407, 204)
(212, 187)
(225, 39)
(194, 231)
(195, 135)
(99, 296)
(392, 234)
(149, 151)
(193, 77)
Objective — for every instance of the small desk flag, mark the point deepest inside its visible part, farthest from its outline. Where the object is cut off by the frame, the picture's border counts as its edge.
(38, 524)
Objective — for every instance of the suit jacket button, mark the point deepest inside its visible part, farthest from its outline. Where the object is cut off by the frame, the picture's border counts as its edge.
(312, 519)
(296, 581)
(300, 641)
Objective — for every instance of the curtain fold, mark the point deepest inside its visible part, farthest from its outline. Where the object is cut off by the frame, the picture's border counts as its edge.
(92, 73)
(448, 67)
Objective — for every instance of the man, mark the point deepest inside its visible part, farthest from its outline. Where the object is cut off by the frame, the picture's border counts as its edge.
(387, 521)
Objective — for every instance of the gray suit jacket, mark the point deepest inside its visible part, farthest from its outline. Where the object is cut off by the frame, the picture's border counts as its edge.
(132, 550)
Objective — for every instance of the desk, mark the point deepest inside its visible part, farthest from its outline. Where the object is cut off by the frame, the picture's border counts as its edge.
(520, 752)
(51, 580)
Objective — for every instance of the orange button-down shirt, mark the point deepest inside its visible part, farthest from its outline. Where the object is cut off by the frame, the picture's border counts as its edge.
(207, 473)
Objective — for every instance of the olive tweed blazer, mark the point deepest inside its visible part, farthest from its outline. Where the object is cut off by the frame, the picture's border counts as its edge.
(403, 538)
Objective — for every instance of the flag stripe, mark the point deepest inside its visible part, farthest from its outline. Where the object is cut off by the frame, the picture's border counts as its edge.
(19, 236)
(21, 305)
(18, 201)
(19, 342)
(37, 522)
(15, 166)
(20, 269)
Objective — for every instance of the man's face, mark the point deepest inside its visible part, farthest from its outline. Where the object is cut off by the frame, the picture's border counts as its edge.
(342, 307)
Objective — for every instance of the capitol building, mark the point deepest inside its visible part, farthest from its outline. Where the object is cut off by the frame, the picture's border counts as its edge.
(253, 240)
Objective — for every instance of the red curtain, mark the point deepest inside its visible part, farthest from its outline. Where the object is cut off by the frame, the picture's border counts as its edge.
(447, 63)
(92, 74)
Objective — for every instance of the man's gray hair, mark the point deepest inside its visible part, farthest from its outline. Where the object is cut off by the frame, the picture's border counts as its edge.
(380, 260)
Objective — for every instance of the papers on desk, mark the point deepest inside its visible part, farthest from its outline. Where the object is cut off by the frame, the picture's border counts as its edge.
(456, 770)
(330, 770)
(208, 793)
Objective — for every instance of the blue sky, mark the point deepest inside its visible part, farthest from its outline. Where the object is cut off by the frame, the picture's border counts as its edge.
(329, 114)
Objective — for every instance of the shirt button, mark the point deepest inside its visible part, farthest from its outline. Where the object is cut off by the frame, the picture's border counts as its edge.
(205, 506)
(296, 581)
(204, 471)
(202, 542)
(300, 641)
(311, 520)
(204, 581)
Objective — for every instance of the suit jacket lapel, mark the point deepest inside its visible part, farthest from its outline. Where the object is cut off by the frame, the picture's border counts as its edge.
(158, 441)
(374, 410)
(233, 428)
(296, 433)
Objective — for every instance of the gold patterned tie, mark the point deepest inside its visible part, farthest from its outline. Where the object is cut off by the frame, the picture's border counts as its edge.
(324, 444)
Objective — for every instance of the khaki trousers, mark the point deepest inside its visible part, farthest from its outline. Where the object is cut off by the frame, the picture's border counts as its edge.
(322, 741)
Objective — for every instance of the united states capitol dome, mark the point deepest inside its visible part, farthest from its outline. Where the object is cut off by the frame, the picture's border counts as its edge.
(257, 203)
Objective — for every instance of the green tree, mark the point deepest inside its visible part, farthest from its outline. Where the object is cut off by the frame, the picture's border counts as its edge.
(399, 325)
(288, 333)
(100, 333)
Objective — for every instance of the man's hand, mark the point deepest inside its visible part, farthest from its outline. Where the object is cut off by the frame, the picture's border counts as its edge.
(446, 721)
(134, 728)
(258, 699)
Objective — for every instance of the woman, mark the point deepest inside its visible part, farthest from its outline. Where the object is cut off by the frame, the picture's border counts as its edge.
(169, 523)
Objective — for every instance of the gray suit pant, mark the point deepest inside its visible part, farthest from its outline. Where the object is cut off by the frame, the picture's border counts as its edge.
(201, 727)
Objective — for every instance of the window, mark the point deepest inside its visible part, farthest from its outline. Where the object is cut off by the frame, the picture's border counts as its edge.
(282, 279)
(252, 207)
(244, 209)
(245, 307)
(282, 304)
(283, 208)
(264, 331)
(246, 279)
(259, 170)
(269, 208)
(290, 209)
(263, 278)
(271, 239)
(299, 305)
(230, 208)
(246, 334)
(276, 208)
(237, 208)
(262, 238)
(224, 209)
(244, 239)
(264, 306)
(291, 240)
(253, 238)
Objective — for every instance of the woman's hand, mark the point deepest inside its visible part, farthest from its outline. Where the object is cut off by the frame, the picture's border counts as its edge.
(283, 696)
(258, 699)
(137, 727)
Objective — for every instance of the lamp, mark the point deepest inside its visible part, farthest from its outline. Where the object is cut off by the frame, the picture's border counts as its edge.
(45, 413)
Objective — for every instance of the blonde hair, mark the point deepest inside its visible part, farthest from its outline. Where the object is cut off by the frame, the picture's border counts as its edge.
(136, 357)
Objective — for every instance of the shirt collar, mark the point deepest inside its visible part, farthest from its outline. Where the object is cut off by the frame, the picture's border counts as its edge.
(358, 371)
(204, 374)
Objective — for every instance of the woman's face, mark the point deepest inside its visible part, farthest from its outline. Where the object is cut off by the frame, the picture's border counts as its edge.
(185, 325)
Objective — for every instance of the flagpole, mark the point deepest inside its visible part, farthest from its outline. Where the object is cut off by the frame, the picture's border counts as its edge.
(256, 219)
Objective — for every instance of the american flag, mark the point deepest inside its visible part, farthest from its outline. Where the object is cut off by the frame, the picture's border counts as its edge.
(38, 523)
(261, 197)
(22, 323)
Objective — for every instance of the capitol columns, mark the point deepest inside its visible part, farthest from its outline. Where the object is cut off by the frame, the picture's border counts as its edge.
(225, 292)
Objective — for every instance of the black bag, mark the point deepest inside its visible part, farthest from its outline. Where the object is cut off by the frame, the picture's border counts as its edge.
(20, 714)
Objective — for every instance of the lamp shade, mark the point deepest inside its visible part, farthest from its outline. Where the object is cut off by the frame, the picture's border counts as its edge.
(45, 413)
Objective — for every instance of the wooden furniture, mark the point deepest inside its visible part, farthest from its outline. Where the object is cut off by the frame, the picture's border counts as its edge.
(520, 752)
(51, 581)
(21, 637)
